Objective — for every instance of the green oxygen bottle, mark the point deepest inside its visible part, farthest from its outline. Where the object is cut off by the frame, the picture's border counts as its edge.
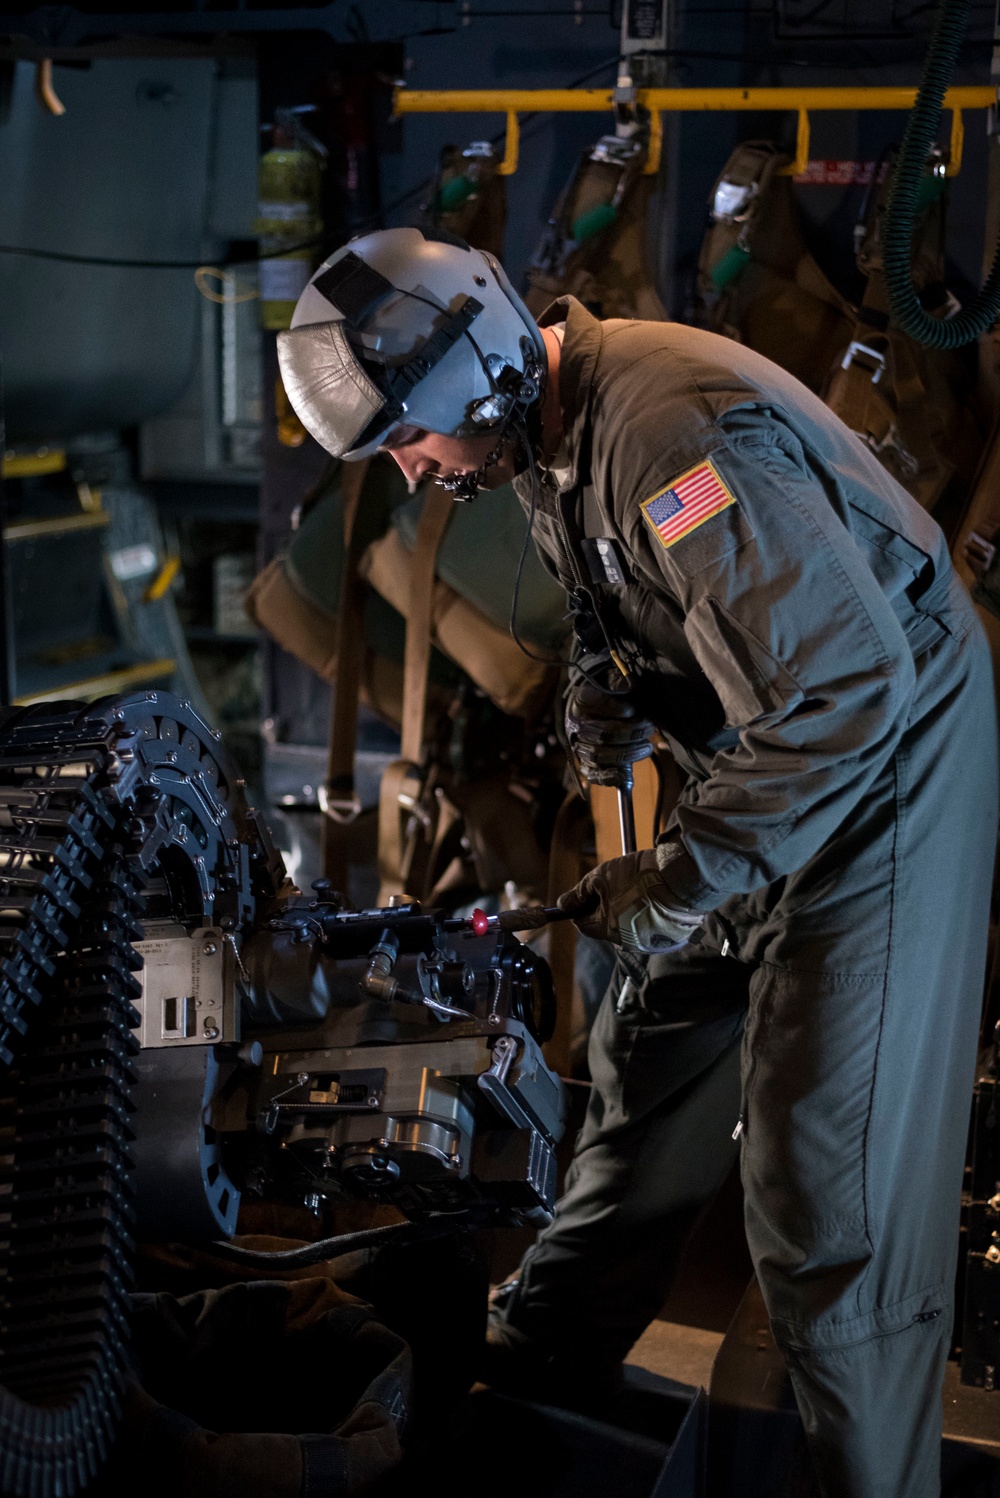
(289, 222)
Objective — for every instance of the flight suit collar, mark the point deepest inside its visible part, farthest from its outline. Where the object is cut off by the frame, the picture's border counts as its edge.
(580, 349)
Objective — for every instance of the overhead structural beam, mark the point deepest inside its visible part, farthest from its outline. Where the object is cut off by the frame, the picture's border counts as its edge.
(52, 29)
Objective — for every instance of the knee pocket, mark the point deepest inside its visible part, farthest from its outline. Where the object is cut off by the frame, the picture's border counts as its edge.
(809, 1058)
(837, 1331)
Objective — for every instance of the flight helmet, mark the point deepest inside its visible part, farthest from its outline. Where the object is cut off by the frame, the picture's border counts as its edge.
(409, 328)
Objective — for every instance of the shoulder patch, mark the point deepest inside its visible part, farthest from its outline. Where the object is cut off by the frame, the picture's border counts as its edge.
(686, 503)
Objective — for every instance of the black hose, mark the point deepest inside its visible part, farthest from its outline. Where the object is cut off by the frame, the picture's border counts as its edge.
(921, 130)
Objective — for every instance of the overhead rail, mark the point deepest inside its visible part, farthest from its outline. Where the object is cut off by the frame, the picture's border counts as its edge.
(660, 101)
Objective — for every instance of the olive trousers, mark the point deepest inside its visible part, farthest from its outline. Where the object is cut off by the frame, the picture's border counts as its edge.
(831, 1021)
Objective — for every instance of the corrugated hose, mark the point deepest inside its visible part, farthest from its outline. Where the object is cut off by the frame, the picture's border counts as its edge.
(921, 129)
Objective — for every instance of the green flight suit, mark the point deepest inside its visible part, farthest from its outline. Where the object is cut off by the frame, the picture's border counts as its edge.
(819, 671)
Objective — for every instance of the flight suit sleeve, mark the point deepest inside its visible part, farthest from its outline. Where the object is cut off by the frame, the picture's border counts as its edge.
(803, 648)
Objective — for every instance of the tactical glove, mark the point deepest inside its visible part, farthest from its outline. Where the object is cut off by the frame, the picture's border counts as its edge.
(625, 901)
(605, 734)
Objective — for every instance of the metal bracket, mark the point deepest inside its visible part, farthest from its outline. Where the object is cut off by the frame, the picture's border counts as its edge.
(340, 809)
(854, 349)
(497, 1088)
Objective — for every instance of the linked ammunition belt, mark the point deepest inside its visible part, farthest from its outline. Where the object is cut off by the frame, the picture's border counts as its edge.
(68, 917)
(68, 907)
(90, 798)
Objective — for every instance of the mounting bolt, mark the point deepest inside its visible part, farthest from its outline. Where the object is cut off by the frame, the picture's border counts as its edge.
(210, 948)
(494, 1019)
(211, 1028)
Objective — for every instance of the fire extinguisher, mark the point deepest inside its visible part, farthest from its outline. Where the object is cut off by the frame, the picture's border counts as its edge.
(289, 221)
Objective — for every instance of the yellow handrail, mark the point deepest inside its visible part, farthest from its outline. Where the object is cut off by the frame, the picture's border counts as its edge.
(513, 102)
(512, 145)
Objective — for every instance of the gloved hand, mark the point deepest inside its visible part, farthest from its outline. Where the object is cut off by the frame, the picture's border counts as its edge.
(625, 901)
(605, 734)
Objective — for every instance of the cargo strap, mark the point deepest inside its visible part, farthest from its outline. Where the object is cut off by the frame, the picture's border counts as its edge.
(338, 798)
(406, 824)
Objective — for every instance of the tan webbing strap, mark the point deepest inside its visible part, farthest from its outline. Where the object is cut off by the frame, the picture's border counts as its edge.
(879, 391)
(338, 799)
(401, 786)
(437, 510)
(565, 869)
(859, 390)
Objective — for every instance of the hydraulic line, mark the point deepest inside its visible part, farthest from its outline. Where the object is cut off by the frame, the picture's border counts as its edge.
(921, 130)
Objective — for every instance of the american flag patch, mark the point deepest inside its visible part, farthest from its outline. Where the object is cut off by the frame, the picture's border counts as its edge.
(686, 503)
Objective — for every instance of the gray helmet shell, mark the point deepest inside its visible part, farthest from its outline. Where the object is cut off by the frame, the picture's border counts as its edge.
(432, 278)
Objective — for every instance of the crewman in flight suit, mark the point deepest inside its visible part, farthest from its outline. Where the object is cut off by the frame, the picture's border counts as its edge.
(802, 953)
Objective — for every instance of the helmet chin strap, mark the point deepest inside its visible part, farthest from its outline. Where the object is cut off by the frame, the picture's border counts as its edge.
(464, 487)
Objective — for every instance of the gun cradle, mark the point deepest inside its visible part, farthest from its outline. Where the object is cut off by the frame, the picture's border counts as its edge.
(373, 1054)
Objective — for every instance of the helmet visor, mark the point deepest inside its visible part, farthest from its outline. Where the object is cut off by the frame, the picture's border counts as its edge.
(328, 386)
